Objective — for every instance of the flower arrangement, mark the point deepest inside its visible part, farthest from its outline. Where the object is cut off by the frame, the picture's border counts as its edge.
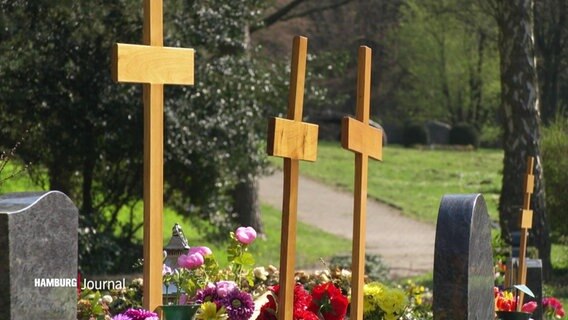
(553, 308)
(506, 301)
(221, 293)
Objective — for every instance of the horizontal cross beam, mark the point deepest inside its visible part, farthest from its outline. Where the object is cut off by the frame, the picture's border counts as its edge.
(292, 139)
(152, 64)
(361, 138)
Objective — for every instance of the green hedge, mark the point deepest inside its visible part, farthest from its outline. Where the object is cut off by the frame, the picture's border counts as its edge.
(464, 134)
(555, 167)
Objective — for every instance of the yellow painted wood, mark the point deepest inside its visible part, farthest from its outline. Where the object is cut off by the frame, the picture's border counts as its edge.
(361, 138)
(157, 65)
(288, 239)
(529, 183)
(365, 141)
(526, 219)
(292, 139)
(154, 66)
(153, 193)
(153, 34)
(525, 225)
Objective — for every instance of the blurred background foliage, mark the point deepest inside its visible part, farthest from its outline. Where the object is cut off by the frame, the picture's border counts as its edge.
(432, 60)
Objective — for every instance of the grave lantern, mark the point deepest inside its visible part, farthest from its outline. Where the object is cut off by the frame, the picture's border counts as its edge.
(175, 247)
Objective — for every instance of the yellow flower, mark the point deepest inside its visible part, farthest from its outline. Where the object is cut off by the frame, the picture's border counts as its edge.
(393, 301)
(208, 311)
(372, 293)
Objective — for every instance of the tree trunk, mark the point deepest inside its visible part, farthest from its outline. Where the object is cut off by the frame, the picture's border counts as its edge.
(245, 204)
(520, 105)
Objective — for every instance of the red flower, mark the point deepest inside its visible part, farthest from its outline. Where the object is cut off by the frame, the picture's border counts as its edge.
(555, 305)
(305, 315)
(328, 300)
(268, 310)
(302, 300)
(529, 307)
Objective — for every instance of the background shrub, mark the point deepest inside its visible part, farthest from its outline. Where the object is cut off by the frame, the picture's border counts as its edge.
(375, 268)
(464, 134)
(415, 133)
(555, 168)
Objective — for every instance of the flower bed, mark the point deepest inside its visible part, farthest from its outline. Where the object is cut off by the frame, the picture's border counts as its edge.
(241, 291)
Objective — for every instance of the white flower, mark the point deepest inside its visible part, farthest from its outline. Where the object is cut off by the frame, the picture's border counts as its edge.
(107, 299)
(260, 273)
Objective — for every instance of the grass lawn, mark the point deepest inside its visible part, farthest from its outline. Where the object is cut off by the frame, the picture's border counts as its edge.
(411, 179)
(266, 249)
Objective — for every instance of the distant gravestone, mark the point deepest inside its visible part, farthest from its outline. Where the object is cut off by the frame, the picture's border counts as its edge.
(38, 256)
(533, 281)
(463, 260)
(439, 132)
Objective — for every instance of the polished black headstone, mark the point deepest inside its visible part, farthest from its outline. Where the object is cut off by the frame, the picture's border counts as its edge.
(463, 260)
(534, 281)
(38, 256)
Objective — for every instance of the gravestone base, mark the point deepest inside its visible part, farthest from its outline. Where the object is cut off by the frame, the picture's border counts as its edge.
(38, 256)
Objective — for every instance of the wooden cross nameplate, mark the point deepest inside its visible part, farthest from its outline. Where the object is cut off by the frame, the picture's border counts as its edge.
(525, 225)
(365, 141)
(292, 140)
(153, 65)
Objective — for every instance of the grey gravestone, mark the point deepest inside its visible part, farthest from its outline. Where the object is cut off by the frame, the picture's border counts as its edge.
(463, 260)
(438, 132)
(38, 256)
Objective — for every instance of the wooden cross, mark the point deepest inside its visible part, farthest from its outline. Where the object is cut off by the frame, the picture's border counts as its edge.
(365, 141)
(292, 140)
(153, 65)
(525, 225)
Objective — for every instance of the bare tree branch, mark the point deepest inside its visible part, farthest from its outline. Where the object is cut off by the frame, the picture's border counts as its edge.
(276, 16)
(310, 11)
(281, 14)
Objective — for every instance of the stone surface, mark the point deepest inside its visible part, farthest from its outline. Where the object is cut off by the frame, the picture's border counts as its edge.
(534, 281)
(439, 132)
(463, 261)
(38, 241)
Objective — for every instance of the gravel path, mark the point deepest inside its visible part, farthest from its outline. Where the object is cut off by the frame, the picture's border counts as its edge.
(406, 245)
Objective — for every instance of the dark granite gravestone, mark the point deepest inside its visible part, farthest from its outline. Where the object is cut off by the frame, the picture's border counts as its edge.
(439, 132)
(38, 256)
(463, 260)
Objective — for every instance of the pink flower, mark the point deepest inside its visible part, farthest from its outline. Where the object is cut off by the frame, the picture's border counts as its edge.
(225, 287)
(529, 307)
(191, 261)
(245, 235)
(204, 251)
(182, 299)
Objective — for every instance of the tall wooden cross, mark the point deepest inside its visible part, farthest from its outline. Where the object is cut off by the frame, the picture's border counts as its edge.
(525, 225)
(153, 65)
(365, 141)
(292, 140)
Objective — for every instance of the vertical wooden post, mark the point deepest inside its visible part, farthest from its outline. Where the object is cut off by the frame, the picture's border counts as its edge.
(293, 140)
(365, 141)
(153, 96)
(525, 225)
(153, 65)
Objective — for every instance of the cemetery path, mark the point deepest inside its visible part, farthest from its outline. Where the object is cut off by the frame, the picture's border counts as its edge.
(406, 245)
